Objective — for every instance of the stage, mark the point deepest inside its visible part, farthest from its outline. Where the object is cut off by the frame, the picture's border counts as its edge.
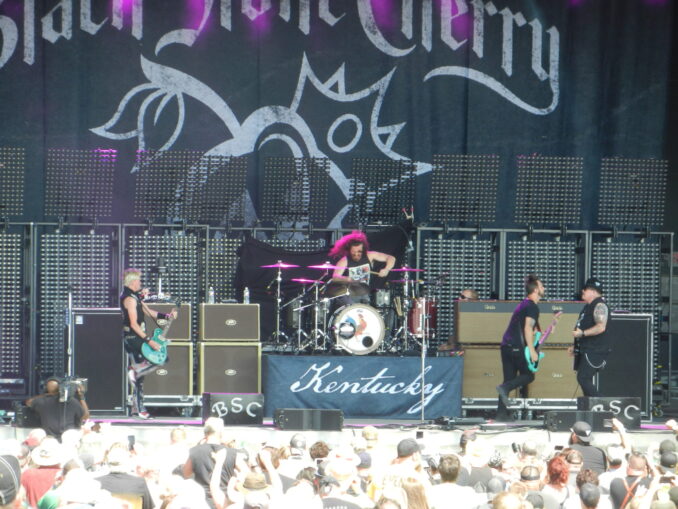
(436, 439)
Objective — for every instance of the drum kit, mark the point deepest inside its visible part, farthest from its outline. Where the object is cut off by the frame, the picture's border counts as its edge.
(328, 314)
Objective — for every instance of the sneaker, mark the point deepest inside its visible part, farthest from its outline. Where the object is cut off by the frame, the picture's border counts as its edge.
(143, 416)
(503, 395)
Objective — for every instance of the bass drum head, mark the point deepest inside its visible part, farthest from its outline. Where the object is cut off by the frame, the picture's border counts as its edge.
(358, 328)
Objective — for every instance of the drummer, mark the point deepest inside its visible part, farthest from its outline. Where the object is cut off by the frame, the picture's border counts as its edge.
(355, 264)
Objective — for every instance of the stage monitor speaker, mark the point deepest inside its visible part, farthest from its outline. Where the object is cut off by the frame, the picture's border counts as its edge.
(486, 321)
(562, 420)
(99, 356)
(628, 372)
(174, 378)
(230, 367)
(627, 410)
(302, 419)
(181, 326)
(229, 322)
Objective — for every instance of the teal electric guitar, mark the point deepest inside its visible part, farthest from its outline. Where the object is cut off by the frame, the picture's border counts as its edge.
(159, 357)
(539, 338)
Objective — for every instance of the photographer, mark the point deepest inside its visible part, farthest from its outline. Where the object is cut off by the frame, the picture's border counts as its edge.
(58, 411)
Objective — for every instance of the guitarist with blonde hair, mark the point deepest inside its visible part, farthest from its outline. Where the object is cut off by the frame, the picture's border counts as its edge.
(134, 336)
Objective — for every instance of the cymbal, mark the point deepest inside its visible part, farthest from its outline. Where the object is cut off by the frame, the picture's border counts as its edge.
(355, 289)
(324, 266)
(306, 281)
(403, 281)
(279, 265)
(407, 269)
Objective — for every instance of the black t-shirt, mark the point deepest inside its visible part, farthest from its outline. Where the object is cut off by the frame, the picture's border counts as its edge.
(594, 458)
(514, 335)
(202, 462)
(56, 417)
(618, 490)
(118, 482)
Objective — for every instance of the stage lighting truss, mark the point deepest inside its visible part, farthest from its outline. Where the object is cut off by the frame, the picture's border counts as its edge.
(549, 190)
(187, 185)
(295, 190)
(630, 272)
(457, 264)
(82, 263)
(464, 188)
(223, 260)
(632, 192)
(182, 256)
(379, 189)
(12, 173)
(79, 183)
(553, 261)
(11, 308)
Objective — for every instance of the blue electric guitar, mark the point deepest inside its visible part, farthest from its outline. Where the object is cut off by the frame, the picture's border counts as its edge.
(159, 357)
(539, 338)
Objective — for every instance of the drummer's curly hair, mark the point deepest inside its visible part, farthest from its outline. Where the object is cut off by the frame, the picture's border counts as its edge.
(344, 244)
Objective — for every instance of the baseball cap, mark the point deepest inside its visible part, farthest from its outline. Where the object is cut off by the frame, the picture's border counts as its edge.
(668, 461)
(10, 476)
(594, 283)
(583, 431)
(407, 447)
(667, 445)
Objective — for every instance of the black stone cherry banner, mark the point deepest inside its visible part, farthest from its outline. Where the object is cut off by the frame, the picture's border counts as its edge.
(389, 79)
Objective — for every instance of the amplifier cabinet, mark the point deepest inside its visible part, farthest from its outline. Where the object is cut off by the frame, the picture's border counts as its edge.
(483, 372)
(181, 326)
(176, 376)
(230, 367)
(486, 321)
(99, 356)
(229, 322)
(303, 419)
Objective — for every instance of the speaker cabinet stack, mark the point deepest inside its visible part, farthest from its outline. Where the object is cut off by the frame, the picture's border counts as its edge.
(181, 326)
(229, 349)
(175, 378)
(99, 356)
(480, 327)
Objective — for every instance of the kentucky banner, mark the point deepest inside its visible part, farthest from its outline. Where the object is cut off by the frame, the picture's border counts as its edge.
(378, 387)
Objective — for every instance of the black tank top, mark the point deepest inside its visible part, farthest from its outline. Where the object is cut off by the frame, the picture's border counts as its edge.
(360, 270)
(601, 343)
(127, 292)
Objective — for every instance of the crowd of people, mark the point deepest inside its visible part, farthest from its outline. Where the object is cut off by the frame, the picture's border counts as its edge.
(97, 467)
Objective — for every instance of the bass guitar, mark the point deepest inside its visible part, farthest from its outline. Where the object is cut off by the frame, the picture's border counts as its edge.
(539, 338)
(159, 357)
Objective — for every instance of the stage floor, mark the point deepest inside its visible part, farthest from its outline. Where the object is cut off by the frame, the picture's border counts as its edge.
(154, 434)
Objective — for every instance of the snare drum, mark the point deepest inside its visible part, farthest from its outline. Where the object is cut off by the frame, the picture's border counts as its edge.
(422, 308)
(358, 328)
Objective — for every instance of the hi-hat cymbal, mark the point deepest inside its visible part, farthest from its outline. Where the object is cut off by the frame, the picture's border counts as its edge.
(324, 266)
(407, 269)
(279, 265)
(355, 289)
(306, 281)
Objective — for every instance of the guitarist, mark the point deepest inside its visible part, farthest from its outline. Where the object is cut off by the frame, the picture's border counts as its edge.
(134, 336)
(592, 341)
(519, 334)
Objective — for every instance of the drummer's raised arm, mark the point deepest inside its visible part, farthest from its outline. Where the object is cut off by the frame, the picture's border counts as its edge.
(339, 271)
(382, 257)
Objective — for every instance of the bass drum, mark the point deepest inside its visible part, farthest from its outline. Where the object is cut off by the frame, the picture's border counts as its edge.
(358, 328)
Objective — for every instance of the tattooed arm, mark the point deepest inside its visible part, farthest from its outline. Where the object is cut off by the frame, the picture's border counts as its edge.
(600, 316)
